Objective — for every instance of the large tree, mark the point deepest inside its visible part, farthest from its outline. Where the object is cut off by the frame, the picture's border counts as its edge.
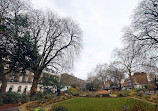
(58, 41)
(16, 50)
(129, 56)
(144, 26)
(98, 76)
(116, 73)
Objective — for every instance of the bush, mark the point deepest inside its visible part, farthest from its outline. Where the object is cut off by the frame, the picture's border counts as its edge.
(38, 95)
(72, 91)
(138, 90)
(133, 93)
(58, 108)
(125, 93)
(120, 94)
(24, 98)
(48, 95)
(105, 95)
(97, 95)
(76, 94)
(11, 98)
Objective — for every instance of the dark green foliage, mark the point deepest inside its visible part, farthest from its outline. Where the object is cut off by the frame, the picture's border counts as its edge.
(72, 91)
(48, 83)
(58, 108)
(11, 98)
(38, 95)
(120, 95)
(77, 94)
(75, 85)
(105, 95)
(89, 86)
(97, 95)
(24, 98)
(125, 93)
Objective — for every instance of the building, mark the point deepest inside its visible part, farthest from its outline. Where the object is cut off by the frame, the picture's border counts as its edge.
(139, 80)
(69, 80)
(107, 84)
(22, 83)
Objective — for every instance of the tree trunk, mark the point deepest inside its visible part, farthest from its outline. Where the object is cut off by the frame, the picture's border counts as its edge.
(35, 83)
(131, 79)
(3, 81)
(119, 86)
(3, 88)
(58, 92)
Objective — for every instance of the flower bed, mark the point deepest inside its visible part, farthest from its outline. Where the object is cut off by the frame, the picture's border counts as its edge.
(41, 103)
(9, 105)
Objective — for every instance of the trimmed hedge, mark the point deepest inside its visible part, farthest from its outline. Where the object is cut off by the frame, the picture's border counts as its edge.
(11, 98)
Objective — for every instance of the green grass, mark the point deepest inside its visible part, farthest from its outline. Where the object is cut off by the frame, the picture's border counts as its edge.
(104, 104)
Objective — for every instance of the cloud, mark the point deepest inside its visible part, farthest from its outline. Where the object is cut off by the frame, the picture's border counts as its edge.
(101, 22)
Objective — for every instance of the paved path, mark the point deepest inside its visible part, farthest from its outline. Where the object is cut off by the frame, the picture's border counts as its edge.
(50, 105)
(144, 100)
(10, 109)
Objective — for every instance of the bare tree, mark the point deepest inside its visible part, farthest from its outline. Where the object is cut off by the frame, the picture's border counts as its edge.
(57, 40)
(145, 23)
(130, 57)
(116, 73)
(99, 75)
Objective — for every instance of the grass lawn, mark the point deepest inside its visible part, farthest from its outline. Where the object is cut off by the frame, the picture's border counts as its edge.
(105, 104)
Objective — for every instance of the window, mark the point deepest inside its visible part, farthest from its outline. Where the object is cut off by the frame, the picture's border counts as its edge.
(25, 90)
(19, 89)
(11, 88)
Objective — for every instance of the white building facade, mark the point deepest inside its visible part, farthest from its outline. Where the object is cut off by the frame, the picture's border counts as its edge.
(21, 83)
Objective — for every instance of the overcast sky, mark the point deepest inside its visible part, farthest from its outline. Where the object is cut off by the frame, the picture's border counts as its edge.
(102, 22)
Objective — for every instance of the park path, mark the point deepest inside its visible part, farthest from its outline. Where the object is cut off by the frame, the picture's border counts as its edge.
(50, 105)
(144, 100)
(10, 109)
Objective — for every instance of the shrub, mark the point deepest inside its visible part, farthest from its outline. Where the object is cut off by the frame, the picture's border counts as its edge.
(47, 96)
(58, 108)
(24, 98)
(11, 98)
(132, 93)
(76, 94)
(120, 94)
(138, 90)
(125, 93)
(72, 91)
(37, 96)
(105, 95)
(97, 95)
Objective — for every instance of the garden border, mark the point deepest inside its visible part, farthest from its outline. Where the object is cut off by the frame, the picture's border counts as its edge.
(144, 100)
(22, 107)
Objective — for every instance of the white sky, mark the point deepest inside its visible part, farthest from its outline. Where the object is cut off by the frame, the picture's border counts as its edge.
(102, 22)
